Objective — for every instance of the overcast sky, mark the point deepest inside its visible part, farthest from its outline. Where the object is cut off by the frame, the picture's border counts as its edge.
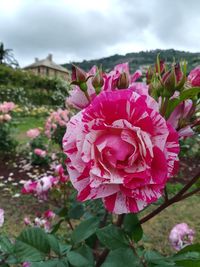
(86, 29)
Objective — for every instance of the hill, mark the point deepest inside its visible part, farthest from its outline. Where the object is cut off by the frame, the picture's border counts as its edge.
(140, 59)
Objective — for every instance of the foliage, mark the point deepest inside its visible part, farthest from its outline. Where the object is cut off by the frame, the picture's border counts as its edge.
(140, 59)
(7, 143)
(26, 88)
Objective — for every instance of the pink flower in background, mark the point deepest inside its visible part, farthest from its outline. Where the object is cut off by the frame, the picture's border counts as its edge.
(1, 217)
(39, 152)
(6, 107)
(60, 172)
(194, 77)
(180, 236)
(40, 187)
(27, 221)
(44, 184)
(33, 133)
(122, 150)
(26, 264)
(29, 187)
(49, 214)
(7, 117)
(56, 118)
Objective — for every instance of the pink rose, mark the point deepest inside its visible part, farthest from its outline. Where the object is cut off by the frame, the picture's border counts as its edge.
(7, 117)
(180, 236)
(33, 133)
(6, 107)
(29, 187)
(39, 152)
(26, 264)
(49, 214)
(122, 150)
(194, 77)
(1, 217)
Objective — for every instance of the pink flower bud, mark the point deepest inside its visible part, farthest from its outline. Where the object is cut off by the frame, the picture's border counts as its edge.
(78, 74)
(180, 236)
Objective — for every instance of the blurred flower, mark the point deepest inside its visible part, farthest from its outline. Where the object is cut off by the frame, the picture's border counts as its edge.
(180, 236)
(194, 77)
(6, 107)
(39, 152)
(26, 264)
(33, 133)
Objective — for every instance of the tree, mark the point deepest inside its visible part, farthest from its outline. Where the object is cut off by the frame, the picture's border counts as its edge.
(7, 57)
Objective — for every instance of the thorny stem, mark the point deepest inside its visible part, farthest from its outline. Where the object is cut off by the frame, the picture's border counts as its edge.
(178, 197)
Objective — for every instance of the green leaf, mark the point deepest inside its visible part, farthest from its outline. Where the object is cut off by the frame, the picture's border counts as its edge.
(32, 245)
(186, 94)
(153, 257)
(132, 227)
(188, 263)
(87, 253)
(194, 247)
(5, 245)
(54, 244)
(112, 237)
(50, 263)
(85, 229)
(77, 260)
(122, 257)
(62, 212)
(76, 211)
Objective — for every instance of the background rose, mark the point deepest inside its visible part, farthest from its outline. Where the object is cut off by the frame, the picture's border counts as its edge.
(194, 77)
(181, 235)
(120, 149)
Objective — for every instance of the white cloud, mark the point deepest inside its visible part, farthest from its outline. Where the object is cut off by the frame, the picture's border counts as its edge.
(77, 29)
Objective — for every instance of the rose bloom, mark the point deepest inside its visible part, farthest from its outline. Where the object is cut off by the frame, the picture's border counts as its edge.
(194, 77)
(122, 150)
(181, 235)
(33, 133)
(39, 152)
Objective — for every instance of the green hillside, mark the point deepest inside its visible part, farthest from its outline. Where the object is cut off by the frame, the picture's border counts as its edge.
(140, 59)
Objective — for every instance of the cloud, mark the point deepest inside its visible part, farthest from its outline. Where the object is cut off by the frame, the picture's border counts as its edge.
(74, 30)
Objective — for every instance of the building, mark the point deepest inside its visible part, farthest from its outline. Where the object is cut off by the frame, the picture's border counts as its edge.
(46, 67)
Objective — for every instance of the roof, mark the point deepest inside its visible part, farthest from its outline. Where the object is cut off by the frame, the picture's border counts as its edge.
(47, 62)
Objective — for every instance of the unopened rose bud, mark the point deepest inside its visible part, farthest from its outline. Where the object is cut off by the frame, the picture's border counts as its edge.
(149, 75)
(78, 74)
(123, 81)
(161, 67)
(169, 80)
(97, 81)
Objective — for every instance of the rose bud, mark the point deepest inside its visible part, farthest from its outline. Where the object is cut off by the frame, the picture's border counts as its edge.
(149, 75)
(161, 68)
(169, 80)
(123, 81)
(97, 81)
(78, 75)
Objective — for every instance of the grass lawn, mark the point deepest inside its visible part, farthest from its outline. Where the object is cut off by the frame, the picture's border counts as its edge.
(24, 124)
